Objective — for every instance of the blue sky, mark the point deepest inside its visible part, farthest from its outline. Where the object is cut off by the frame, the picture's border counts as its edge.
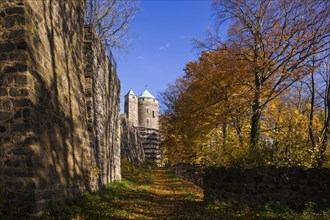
(162, 43)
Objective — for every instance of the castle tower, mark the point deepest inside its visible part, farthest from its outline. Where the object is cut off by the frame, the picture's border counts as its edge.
(142, 111)
(131, 108)
(148, 110)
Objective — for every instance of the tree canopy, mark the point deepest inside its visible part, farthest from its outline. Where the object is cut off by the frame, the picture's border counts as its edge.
(255, 98)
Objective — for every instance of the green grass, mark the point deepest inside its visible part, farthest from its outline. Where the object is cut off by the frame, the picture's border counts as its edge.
(107, 203)
(269, 211)
(174, 176)
(150, 193)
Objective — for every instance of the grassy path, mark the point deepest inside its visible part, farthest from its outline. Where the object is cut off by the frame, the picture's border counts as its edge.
(165, 196)
(151, 193)
(174, 197)
(144, 193)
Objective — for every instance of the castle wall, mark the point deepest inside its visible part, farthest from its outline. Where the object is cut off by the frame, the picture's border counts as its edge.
(148, 113)
(45, 151)
(131, 144)
(103, 97)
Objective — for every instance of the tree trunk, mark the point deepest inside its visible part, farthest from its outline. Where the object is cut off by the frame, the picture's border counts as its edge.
(256, 113)
(326, 125)
(324, 144)
(255, 123)
(311, 114)
(225, 133)
(240, 135)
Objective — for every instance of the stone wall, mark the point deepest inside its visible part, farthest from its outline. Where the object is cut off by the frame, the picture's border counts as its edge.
(102, 97)
(131, 145)
(45, 139)
(45, 153)
(193, 173)
(255, 186)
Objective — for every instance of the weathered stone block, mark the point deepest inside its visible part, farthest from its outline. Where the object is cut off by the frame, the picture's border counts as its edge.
(24, 102)
(18, 92)
(3, 92)
(22, 67)
(26, 113)
(18, 57)
(18, 115)
(3, 57)
(15, 10)
(2, 129)
(17, 34)
(7, 47)
(5, 80)
(20, 127)
(9, 23)
(5, 115)
(10, 69)
(21, 45)
(28, 162)
(21, 79)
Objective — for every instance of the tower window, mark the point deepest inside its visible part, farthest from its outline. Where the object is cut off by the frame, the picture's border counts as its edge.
(147, 122)
(153, 114)
(147, 110)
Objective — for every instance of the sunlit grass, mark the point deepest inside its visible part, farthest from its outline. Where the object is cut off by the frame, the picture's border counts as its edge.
(147, 192)
(115, 201)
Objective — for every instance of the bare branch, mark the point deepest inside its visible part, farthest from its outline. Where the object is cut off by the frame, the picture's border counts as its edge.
(111, 19)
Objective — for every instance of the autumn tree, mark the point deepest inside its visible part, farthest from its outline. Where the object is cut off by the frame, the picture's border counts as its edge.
(319, 92)
(205, 107)
(169, 121)
(286, 125)
(111, 19)
(277, 38)
(314, 90)
(207, 114)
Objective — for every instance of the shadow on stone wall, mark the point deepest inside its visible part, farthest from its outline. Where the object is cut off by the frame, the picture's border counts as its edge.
(292, 186)
(192, 172)
(47, 149)
(102, 92)
(131, 144)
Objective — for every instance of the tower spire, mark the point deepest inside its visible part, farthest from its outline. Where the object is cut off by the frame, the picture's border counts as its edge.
(130, 92)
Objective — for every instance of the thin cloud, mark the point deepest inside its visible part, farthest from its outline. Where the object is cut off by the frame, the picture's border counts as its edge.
(140, 58)
(165, 47)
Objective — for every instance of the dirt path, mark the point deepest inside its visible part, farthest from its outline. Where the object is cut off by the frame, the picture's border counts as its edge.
(148, 193)
(175, 197)
(168, 197)
(144, 193)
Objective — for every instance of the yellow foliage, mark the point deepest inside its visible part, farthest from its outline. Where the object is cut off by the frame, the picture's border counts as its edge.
(210, 119)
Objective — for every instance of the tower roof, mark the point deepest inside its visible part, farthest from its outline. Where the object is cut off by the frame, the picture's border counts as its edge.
(130, 92)
(146, 94)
